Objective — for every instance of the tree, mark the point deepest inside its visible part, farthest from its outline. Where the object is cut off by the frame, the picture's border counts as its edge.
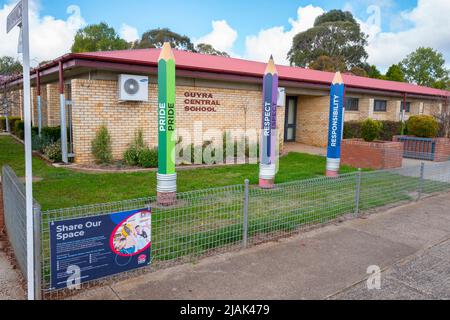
(372, 71)
(358, 71)
(335, 34)
(330, 64)
(395, 73)
(425, 67)
(209, 49)
(98, 37)
(9, 66)
(155, 39)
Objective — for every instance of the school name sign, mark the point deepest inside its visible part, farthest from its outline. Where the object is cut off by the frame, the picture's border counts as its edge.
(200, 102)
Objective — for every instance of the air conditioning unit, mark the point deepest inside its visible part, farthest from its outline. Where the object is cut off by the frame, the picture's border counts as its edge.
(133, 88)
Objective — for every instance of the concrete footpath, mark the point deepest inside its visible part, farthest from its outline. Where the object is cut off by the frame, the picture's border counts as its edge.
(410, 244)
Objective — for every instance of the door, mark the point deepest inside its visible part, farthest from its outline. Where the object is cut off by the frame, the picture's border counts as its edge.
(290, 125)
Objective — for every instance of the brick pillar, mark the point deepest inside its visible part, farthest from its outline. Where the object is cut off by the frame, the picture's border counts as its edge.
(53, 112)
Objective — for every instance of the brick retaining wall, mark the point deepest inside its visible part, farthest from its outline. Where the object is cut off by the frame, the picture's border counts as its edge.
(371, 155)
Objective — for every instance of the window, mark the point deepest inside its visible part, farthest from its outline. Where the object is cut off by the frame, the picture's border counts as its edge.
(380, 106)
(408, 106)
(351, 104)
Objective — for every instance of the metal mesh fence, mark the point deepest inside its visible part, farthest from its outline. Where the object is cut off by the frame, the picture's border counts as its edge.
(14, 204)
(207, 222)
(202, 222)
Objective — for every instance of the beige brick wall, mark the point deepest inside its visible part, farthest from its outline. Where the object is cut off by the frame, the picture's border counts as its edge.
(95, 103)
(312, 120)
(52, 102)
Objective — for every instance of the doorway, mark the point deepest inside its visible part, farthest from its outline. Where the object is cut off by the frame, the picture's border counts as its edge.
(290, 124)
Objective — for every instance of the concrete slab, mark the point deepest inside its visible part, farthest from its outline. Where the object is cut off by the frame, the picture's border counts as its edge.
(315, 267)
(415, 229)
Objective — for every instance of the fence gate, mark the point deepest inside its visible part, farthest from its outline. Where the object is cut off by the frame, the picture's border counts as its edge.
(418, 148)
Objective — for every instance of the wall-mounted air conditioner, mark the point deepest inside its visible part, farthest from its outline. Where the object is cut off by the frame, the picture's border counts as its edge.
(133, 88)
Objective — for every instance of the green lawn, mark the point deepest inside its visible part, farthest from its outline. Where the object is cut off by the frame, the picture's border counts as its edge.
(61, 188)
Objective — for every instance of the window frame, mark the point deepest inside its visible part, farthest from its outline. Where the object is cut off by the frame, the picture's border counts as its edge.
(408, 106)
(385, 102)
(348, 104)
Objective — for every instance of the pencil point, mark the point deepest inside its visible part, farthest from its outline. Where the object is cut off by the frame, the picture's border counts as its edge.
(271, 68)
(166, 52)
(338, 78)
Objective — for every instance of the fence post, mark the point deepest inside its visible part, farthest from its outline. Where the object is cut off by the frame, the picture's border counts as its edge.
(357, 192)
(245, 226)
(422, 171)
(37, 252)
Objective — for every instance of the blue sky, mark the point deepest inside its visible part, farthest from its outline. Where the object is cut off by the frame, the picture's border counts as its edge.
(251, 29)
(193, 17)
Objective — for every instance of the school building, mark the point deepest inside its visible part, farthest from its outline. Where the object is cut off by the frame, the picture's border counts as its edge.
(223, 93)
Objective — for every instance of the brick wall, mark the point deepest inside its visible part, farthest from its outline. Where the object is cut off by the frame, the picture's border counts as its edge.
(52, 101)
(312, 120)
(95, 103)
(371, 155)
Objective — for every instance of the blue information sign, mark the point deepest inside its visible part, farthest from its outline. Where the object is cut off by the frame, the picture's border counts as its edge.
(90, 248)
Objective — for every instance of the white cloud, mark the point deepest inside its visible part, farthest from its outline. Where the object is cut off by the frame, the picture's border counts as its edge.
(128, 33)
(222, 37)
(431, 28)
(277, 41)
(49, 37)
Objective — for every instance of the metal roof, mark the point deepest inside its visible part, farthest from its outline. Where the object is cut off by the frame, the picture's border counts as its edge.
(223, 65)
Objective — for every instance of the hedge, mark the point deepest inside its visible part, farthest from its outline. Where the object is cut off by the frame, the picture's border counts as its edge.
(11, 121)
(352, 130)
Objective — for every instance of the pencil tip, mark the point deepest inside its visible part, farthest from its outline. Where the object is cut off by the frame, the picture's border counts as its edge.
(166, 52)
(271, 68)
(338, 78)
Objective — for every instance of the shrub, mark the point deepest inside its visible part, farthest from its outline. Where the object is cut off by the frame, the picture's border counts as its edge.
(352, 130)
(390, 129)
(38, 143)
(422, 126)
(131, 155)
(148, 158)
(370, 130)
(19, 129)
(11, 121)
(51, 133)
(53, 151)
(101, 146)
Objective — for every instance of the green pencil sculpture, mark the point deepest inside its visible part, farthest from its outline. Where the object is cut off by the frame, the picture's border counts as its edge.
(166, 177)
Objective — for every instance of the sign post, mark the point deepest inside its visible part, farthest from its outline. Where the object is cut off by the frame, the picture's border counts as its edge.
(269, 137)
(166, 177)
(19, 16)
(336, 126)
